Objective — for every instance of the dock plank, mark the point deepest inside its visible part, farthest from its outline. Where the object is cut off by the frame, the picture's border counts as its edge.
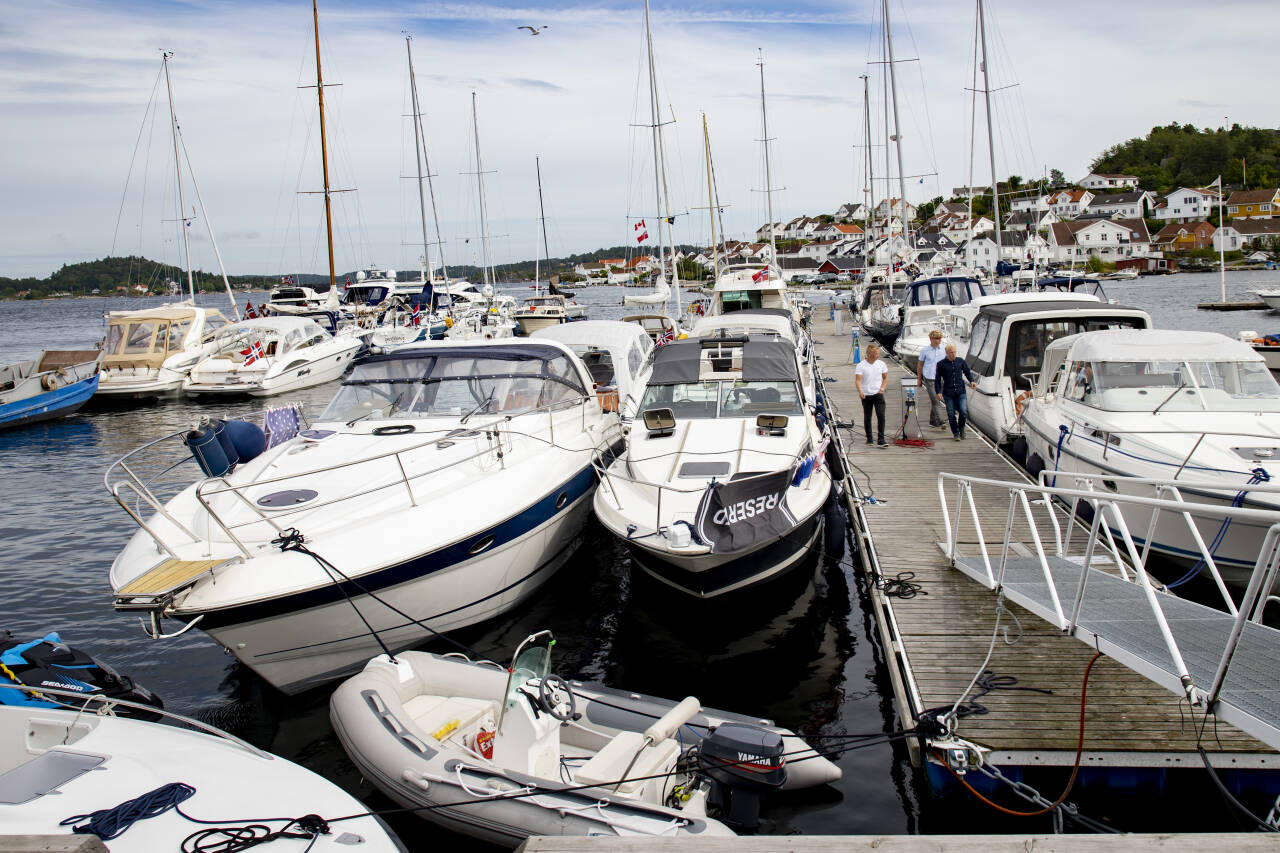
(944, 634)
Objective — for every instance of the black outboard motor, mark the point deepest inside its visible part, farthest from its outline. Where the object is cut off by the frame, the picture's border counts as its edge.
(48, 662)
(744, 762)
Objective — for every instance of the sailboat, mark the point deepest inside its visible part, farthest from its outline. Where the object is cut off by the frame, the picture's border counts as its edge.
(150, 352)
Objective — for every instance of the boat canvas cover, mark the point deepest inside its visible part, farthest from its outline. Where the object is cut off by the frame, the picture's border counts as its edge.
(739, 514)
(678, 363)
(1159, 345)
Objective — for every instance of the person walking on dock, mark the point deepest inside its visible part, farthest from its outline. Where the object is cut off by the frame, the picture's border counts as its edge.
(926, 372)
(869, 376)
(948, 385)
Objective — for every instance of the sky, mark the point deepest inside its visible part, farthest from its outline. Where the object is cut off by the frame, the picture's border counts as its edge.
(87, 166)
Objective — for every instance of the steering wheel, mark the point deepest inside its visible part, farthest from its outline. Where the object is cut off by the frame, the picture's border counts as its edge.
(557, 699)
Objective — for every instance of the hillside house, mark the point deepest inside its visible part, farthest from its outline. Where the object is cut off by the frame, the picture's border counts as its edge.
(1247, 233)
(1068, 204)
(1131, 205)
(1108, 239)
(1183, 236)
(850, 211)
(1187, 204)
(762, 233)
(1023, 203)
(1253, 204)
(1102, 181)
(969, 192)
(892, 208)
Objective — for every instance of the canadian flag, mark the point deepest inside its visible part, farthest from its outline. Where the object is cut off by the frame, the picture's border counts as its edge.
(639, 225)
(760, 276)
(643, 237)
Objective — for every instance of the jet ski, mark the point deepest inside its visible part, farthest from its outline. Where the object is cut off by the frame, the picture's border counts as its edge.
(49, 662)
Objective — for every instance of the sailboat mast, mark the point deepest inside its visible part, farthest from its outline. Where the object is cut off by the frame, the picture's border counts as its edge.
(711, 201)
(656, 129)
(177, 168)
(324, 152)
(417, 157)
(897, 126)
(542, 210)
(484, 218)
(768, 173)
(871, 181)
(426, 164)
(991, 145)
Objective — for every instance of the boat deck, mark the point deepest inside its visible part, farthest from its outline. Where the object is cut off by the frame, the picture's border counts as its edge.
(938, 639)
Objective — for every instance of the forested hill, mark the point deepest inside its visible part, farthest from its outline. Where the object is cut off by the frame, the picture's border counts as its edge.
(1185, 156)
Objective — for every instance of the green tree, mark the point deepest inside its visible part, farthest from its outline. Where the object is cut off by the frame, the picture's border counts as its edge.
(927, 208)
(1056, 178)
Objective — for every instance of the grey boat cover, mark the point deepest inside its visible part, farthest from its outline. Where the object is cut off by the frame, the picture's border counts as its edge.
(678, 363)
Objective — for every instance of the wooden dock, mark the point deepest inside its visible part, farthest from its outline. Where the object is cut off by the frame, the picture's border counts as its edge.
(1254, 305)
(937, 640)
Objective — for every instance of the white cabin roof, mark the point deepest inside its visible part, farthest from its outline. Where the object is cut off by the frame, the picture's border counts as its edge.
(1154, 345)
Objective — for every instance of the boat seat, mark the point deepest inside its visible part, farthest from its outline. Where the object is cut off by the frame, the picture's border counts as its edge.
(444, 715)
(610, 764)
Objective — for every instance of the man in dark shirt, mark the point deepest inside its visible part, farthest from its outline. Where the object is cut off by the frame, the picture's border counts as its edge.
(948, 384)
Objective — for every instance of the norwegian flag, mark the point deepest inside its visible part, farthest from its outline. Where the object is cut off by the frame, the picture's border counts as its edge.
(668, 335)
(643, 237)
(253, 353)
(347, 283)
(249, 313)
(416, 316)
(288, 279)
(638, 225)
(760, 276)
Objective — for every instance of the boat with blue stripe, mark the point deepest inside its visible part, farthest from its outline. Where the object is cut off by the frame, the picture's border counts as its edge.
(444, 483)
(56, 384)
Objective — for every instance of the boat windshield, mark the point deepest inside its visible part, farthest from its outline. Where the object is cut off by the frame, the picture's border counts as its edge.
(443, 384)
(724, 399)
(145, 336)
(1174, 386)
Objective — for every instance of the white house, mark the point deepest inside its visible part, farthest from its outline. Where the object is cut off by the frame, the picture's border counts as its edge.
(852, 210)
(1028, 202)
(958, 229)
(892, 207)
(1068, 204)
(762, 233)
(1243, 233)
(969, 192)
(1108, 239)
(1187, 204)
(819, 250)
(1131, 205)
(1102, 181)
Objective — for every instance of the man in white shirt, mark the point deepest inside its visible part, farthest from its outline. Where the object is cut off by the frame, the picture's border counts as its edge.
(869, 376)
(926, 371)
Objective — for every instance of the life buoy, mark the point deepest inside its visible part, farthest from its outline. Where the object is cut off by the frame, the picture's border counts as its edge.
(1020, 401)
(48, 382)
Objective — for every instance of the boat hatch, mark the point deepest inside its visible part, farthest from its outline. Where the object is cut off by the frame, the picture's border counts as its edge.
(287, 498)
(702, 470)
(44, 774)
(1253, 454)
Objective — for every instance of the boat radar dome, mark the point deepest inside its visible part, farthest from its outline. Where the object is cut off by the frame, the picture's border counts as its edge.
(389, 275)
(360, 276)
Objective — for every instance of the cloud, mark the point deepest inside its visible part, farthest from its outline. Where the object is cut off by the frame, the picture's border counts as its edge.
(526, 83)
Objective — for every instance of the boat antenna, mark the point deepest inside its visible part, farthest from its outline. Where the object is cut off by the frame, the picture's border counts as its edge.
(659, 168)
(418, 156)
(768, 174)
(991, 145)
(183, 221)
(324, 152)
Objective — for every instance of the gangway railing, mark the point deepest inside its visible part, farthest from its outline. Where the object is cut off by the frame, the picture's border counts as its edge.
(1225, 661)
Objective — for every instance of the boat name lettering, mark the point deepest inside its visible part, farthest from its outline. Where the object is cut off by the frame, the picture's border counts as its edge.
(742, 510)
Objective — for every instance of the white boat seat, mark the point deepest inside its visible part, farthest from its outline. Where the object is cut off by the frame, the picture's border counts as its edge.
(434, 714)
(610, 764)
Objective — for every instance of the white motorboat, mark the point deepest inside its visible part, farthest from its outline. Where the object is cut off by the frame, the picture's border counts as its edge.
(751, 286)
(441, 487)
(266, 356)
(1271, 297)
(56, 384)
(1007, 346)
(723, 484)
(150, 352)
(917, 323)
(765, 324)
(616, 354)
(78, 759)
(660, 328)
(885, 323)
(541, 312)
(1267, 346)
(505, 753)
(1163, 405)
(290, 298)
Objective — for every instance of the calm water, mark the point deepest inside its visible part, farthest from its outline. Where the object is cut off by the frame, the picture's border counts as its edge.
(802, 652)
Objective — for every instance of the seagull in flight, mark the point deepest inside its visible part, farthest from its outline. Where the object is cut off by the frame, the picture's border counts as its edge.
(533, 31)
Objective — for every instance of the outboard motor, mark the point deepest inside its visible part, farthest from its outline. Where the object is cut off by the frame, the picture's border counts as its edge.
(48, 662)
(743, 762)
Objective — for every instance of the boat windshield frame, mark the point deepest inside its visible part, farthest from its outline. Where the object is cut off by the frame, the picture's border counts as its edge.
(1172, 385)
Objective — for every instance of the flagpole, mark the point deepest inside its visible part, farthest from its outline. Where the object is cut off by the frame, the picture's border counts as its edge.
(1222, 244)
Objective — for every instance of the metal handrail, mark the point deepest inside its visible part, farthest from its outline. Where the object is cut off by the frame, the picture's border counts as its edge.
(1107, 434)
(1107, 514)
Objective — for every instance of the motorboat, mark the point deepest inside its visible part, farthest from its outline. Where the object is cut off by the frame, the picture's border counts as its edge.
(450, 736)
(751, 286)
(765, 324)
(541, 312)
(1270, 297)
(1163, 405)
(56, 384)
(723, 480)
(150, 352)
(1006, 348)
(660, 328)
(442, 485)
(412, 318)
(266, 356)
(292, 298)
(942, 292)
(1267, 346)
(616, 354)
(61, 765)
(918, 322)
